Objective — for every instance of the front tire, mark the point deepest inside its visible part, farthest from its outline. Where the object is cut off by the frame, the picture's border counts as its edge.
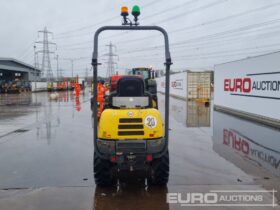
(159, 171)
(103, 172)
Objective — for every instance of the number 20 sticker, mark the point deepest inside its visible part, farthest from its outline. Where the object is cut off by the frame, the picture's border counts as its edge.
(150, 121)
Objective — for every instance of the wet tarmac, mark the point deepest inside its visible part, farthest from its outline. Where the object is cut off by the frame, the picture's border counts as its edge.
(46, 157)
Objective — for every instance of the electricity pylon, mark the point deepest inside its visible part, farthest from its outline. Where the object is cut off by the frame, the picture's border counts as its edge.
(110, 63)
(46, 69)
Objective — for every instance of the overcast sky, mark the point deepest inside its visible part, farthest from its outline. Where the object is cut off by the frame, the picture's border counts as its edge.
(202, 32)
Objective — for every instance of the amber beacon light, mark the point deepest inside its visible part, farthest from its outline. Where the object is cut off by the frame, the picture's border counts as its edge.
(124, 11)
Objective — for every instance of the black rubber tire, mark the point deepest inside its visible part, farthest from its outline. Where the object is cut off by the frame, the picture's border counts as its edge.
(102, 170)
(159, 173)
(91, 103)
(156, 100)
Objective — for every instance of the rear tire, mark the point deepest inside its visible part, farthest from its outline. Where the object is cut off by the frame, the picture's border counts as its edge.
(159, 171)
(91, 103)
(103, 172)
(156, 100)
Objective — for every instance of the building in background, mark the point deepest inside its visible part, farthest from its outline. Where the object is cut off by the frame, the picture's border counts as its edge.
(12, 69)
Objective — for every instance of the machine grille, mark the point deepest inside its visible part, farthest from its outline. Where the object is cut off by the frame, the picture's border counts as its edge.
(131, 126)
(130, 120)
(130, 133)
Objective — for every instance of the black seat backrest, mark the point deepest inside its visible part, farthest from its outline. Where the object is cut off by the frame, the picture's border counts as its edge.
(130, 86)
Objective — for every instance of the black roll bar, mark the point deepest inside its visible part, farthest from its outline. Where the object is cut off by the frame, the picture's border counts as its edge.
(167, 63)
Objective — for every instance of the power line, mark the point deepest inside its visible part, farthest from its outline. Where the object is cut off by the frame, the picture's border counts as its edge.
(101, 13)
(221, 39)
(178, 6)
(213, 54)
(192, 27)
(238, 30)
(199, 9)
(72, 63)
(182, 14)
(87, 27)
(212, 36)
(100, 22)
(209, 37)
(162, 12)
(238, 15)
(215, 43)
(26, 50)
(247, 54)
(171, 9)
(187, 48)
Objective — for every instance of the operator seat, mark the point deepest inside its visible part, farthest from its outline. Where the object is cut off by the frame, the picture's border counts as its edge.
(130, 86)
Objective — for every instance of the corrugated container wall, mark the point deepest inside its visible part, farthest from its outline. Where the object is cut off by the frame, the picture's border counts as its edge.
(199, 85)
(188, 85)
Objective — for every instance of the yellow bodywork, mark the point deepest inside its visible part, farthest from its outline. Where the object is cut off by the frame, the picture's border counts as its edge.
(123, 124)
(202, 100)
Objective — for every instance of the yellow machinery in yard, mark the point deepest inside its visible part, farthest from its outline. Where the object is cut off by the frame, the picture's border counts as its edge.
(17, 86)
(131, 135)
(150, 82)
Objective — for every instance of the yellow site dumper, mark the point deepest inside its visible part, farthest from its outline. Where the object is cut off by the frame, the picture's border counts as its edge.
(131, 135)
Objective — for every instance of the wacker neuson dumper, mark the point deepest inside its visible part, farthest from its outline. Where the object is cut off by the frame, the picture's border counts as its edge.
(130, 135)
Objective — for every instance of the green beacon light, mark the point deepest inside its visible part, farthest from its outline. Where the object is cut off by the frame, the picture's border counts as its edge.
(135, 12)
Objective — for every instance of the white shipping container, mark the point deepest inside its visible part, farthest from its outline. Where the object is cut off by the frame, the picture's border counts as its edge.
(188, 85)
(250, 86)
(178, 85)
(39, 86)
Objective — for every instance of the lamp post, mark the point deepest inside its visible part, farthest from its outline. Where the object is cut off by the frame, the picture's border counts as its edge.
(35, 69)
